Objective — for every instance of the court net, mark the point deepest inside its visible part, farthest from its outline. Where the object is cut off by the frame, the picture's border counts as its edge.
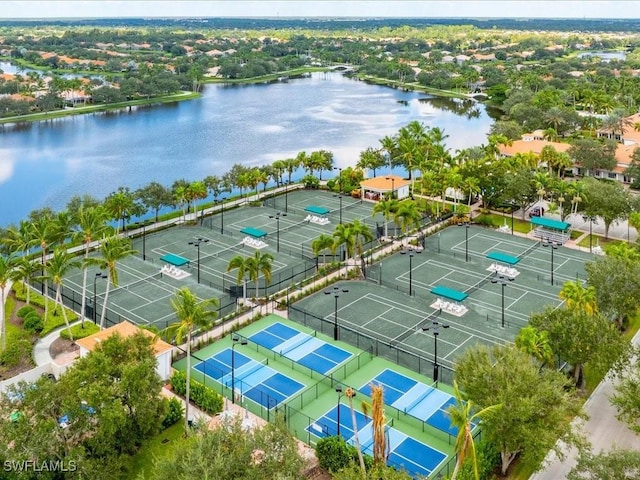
(243, 372)
(234, 249)
(418, 400)
(529, 250)
(296, 345)
(135, 283)
(479, 285)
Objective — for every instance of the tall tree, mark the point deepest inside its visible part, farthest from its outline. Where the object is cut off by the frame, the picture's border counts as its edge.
(91, 226)
(626, 398)
(322, 244)
(7, 273)
(260, 263)
(464, 417)
(609, 201)
(192, 314)
(581, 339)
(614, 464)
(112, 250)
(388, 208)
(58, 266)
(536, 405)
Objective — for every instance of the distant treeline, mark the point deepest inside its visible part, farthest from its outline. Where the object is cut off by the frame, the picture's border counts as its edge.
(328, 23)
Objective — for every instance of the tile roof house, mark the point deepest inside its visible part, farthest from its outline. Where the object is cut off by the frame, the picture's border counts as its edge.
(373, 189)
(125, 329)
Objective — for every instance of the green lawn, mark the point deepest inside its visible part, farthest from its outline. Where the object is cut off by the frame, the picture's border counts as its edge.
(519, 225)
(159, 446)
(598, 240)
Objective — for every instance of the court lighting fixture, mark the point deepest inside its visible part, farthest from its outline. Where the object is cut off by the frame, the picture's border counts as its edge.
(553, 246)
(504, 281)
(435, 329)
(243, 341)
(196, 244)
(410, 252)
(277, 217)
(98, 275)
(336, 291)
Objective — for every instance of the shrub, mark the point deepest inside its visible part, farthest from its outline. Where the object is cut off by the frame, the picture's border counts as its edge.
(33, 323)
(310, 181)
(15, 351)
(174, 412)
(333, 453)
(204, 397)
(484, 221)
(78, 332)
(25, 310)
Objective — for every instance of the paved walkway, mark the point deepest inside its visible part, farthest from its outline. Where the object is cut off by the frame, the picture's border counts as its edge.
(602, 429)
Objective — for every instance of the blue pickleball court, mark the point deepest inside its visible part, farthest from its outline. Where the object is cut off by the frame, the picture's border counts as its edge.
(300, 347)
(405, 452)
(253, 379)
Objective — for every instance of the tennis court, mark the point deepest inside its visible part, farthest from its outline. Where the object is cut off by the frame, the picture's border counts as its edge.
(252, 379)
(405, 453)
(303, 348)
(208, 253)
(415, 398)
(384, 320)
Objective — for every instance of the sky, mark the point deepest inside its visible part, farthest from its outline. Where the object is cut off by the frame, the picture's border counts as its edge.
(331, 8)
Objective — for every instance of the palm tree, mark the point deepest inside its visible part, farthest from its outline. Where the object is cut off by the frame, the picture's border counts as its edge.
(191, 314)
(57, 268)
(196, 191)
(43, 234)
(407, 215)
(387, 207)
(536, 343)
(343, 235)
(380, 447)
(362, 234)
(579, 298)
(260, 263)
(91, 225)
(113, 249)
(240, 263)
(7, 273)
(25, 272)
(350, 393)
(322, 244)
(463, 419)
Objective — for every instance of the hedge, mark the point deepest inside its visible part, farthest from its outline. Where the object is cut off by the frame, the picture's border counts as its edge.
(52, 321)
(204, 397)
(78, 332)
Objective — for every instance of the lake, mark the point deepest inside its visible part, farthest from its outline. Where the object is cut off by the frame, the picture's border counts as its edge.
(46, 163)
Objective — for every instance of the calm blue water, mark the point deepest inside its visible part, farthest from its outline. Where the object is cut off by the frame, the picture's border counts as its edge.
(46, 163)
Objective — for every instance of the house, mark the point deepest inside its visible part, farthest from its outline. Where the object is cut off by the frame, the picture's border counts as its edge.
(373, 189)
(125, 329)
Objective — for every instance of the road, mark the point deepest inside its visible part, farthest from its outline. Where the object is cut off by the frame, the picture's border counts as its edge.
(602, 429)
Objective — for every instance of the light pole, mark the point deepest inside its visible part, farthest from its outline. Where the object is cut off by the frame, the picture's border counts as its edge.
(243, 341)
(410, 252)
(221, 201)
(340, 394)
(197, 244)
(286, 199)
(393, 185)
(339, 176)
(336, 291)
(502, 280)
(554, 246)
(340, 197)
(144, 237)
(466, 226)
(590, 219)
(277, 217)
(95, 279)
(512, 207)
(434, 328)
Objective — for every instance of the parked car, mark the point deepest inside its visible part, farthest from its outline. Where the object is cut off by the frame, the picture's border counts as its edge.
(536, 211)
